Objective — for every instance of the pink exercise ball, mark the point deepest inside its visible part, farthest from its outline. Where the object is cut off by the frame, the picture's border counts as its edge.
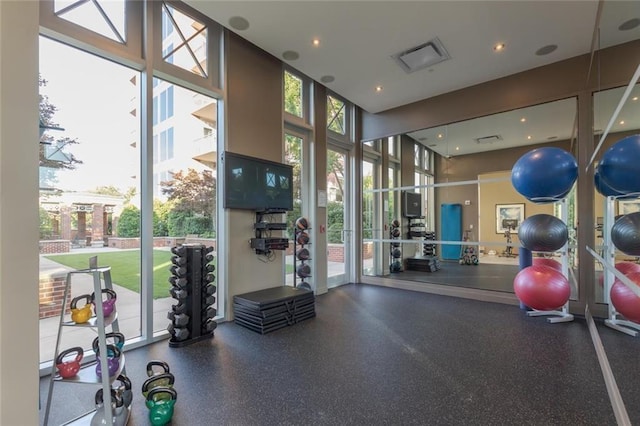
(624, 300)
(542, 288)
(547, 261)
(624, 267)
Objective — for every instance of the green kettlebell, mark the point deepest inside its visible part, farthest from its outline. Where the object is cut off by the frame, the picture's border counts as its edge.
(160, 402)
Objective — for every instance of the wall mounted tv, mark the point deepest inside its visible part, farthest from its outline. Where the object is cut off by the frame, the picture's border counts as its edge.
(411, 204)
(256, 184)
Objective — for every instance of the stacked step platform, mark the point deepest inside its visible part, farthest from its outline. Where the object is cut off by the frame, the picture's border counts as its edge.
(423, 263)
(267, 310)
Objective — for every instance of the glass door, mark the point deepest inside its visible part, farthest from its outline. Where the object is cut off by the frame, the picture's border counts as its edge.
(294, 149)
(338, 225)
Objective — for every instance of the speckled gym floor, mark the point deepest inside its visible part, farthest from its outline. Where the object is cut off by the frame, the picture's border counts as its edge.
(376, 355)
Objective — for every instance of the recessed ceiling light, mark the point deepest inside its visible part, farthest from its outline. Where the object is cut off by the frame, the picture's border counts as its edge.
(545, 50)
(522, 120)
(327, 79)
(378, 88)
(499, 47)
(635, 98)
(457, 148)
(529, 137)
(621, 121)
(630, 24)
(316, 42)
(290, 55)
(238, 23)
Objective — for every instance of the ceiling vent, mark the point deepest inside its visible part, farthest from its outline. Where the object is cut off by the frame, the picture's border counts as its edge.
(423, 56)
(488, 139)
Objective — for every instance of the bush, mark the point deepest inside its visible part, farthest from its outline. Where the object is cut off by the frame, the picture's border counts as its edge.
(129, 222)
(181, 223)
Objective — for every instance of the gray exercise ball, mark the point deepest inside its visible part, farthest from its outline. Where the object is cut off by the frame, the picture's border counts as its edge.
(543, 232)
(625, 234)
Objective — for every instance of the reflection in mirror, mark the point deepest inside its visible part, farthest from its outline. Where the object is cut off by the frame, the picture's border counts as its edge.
(627, 123)
(466, 234)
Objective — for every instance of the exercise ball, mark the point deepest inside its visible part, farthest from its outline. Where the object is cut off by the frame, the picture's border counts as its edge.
(624, 268)
(620, 165)
(395, 232)
(546, 261)
(304, 286)
(396, 253)
(302, 223)
(303, 270)
(543, 232)
(603, 188)
(544, 173)
(395, 223)
(302, 238)
(542, 287)
(624, 300)
(303, 254)
(625, 234)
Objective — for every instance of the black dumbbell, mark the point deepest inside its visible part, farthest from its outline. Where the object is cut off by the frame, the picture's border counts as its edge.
(179, 251)
(178, 271)
(178, 333)
(210, 289)
(176, 293)
(209, 278)
(179, 260)
(180, 308)
(178, 282)
(208, 257)
(210, 312)
(209, 326)
(209, 267)
(208, 300)
(179, 320)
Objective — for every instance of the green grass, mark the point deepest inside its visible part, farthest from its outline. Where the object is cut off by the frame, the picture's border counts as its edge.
(125, 268)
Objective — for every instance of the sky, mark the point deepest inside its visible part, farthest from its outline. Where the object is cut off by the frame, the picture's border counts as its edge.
(93, 97)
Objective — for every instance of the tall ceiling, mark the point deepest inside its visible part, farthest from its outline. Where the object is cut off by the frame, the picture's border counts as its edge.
(358, 38)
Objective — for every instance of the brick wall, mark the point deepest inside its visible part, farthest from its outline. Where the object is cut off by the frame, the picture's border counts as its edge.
(52, 294)
(124, 243)
(336, 253)
(55, 246)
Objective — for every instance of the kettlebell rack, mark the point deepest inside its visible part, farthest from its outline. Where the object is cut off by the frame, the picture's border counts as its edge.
(99, 322)
(301, 254)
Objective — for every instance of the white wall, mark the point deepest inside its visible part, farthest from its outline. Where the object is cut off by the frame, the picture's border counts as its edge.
(19, 333)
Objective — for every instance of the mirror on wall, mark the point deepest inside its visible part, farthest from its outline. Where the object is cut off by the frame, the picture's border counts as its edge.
(462, 173)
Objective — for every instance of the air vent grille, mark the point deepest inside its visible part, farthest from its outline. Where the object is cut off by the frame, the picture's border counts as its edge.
(488, 139)
(423, 56)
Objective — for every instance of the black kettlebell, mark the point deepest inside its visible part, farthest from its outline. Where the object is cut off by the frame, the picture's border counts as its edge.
(162, 380)
(152, 371)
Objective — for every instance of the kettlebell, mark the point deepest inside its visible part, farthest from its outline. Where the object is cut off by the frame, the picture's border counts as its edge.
(119, 413)
(151, 371)
(68, 369)
(162, 380)
(123, 389)
(81, 315)
(160, 402)
(118, 339)
(108, 305)
(113, 360)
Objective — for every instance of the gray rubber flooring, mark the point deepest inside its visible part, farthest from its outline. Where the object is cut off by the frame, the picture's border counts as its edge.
(378, 356)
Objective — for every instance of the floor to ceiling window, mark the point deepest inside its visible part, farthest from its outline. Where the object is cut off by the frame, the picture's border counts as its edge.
(128, 160)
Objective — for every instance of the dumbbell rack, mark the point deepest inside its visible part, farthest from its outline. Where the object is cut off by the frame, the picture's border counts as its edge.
(192, 286)
(296, 247)
(99, 323)
(395, 250)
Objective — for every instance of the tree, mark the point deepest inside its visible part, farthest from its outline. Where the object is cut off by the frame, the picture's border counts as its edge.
(129, 222)
(53, 156)
(193, 198)
(108, 190)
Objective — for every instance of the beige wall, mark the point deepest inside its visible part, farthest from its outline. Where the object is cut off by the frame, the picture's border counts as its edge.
(19, 332)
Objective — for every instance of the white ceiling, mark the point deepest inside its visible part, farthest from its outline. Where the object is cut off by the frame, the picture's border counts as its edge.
(357, 39)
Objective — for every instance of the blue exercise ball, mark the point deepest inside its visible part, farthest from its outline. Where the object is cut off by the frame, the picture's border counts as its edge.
(544, 174)
(603, 188)
(620, 165)
(543, 232)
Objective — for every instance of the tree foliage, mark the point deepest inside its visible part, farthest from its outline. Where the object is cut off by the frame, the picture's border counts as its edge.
(192, 196)
(129, 222)
(52, 150)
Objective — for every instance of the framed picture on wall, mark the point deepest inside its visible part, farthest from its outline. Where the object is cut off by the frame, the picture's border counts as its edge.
(509, 216)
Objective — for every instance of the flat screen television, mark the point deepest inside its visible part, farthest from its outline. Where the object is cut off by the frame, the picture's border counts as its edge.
(256, 184)
(411, 204)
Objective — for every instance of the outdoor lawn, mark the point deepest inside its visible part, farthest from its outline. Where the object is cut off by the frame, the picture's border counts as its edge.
(125, 267)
